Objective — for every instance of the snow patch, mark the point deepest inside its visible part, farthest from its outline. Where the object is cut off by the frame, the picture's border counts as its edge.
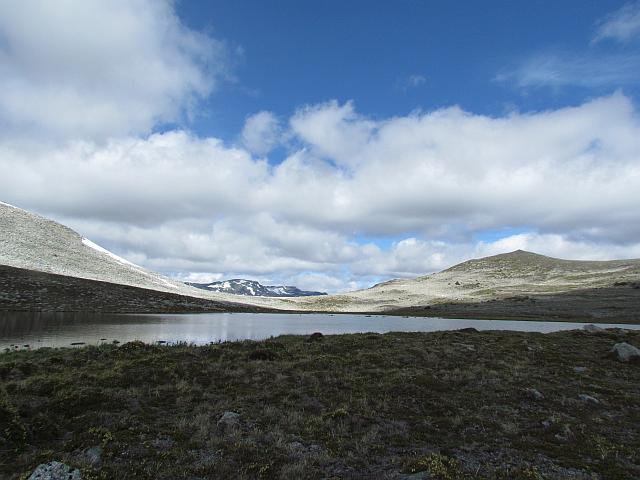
(167, 283)
(100, 249)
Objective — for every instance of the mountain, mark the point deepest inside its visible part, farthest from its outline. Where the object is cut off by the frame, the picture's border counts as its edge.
(514, 285)
(252, 288)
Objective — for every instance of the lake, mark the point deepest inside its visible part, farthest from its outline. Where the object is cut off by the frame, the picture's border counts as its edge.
(34, 330)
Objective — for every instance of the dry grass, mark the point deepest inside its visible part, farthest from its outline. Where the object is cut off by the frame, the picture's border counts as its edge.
(454, 404)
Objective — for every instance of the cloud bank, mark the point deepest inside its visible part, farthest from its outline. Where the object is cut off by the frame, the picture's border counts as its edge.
(96, 69)
(353, 201)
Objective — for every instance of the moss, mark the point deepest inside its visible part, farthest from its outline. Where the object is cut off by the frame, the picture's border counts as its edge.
(13, 434)
(438, 466)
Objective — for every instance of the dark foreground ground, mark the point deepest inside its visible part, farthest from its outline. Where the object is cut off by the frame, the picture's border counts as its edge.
(31, 291)
(448, 405)
(619, 303)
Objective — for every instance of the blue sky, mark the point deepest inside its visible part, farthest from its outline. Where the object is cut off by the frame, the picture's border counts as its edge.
(297, 53)
(329, 144)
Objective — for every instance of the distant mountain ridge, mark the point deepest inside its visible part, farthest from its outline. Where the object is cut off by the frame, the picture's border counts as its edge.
(240, 286)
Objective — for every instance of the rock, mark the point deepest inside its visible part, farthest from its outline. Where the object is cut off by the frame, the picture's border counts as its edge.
(315, 337)
(588, 399)
(534, 394)
(55, 471)
(415, 476)
(468, 330)
(579, 369)
(560, 438)
(93, 455)
(163, 443)
(625, 352)
(229, 420)
(591, 328)
(296, 446)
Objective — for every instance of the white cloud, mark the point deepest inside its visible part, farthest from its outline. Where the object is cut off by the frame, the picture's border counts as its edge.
(584, 69)
(261, 132)
(334, 131)
(622, 25)
(179, 203)
(96, 69)
(412, 81)
(594, 67)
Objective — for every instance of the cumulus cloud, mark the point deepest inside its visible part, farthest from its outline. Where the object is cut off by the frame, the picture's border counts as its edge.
(180, 203)
(96, 69)
(261, 132)
(622, 25)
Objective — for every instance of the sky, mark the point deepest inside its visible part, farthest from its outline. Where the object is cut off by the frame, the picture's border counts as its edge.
(328, 144)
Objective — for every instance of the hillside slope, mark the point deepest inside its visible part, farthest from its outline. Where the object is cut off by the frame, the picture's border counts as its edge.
(517, 274)
(32, 242)
(517, 284)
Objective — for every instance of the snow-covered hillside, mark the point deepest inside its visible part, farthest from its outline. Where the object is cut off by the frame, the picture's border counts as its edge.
(238, 286)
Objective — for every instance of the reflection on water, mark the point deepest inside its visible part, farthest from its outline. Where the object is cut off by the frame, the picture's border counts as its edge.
(64, 329)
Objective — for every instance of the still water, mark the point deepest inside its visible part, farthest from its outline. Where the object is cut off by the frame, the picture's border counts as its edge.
(35, 330)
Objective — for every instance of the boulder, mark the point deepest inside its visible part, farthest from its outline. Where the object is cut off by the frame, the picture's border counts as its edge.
(591, 328)
(315, 337)
(55, 471)
(625, 352)
(468, 330)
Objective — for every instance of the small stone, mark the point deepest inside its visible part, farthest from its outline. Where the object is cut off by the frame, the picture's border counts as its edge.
(625, 352)
(591, 328)
(579, 369)
(229, 420)
(55, 471)
(163, 443)
(588, 399)
(296, 446)
(93, 455)
(560, 438)
(534, 394)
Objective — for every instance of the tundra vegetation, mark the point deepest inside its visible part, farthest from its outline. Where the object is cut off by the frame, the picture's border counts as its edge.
(445, 405)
